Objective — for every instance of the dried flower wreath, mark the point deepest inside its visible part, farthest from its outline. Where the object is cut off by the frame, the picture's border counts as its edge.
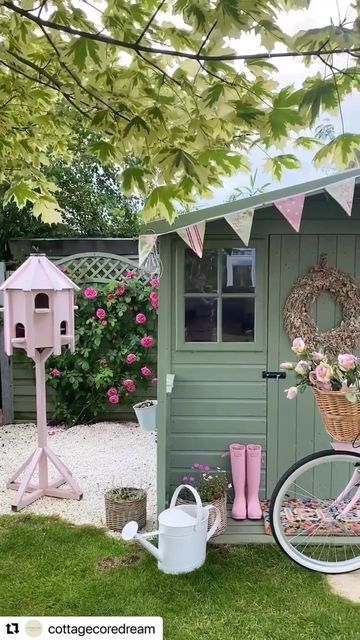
(298, 320)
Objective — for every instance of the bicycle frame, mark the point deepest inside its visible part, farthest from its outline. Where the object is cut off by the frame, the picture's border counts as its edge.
(354, 480)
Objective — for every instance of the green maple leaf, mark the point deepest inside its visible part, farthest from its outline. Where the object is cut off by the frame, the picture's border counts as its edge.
(133, 180)
(305, 142)
(339, 152)
(247, 111)
(138, 124)
(20, 193)
(319, 94)
(284, 114)
(161, 203)
(103, 150)
(81, 49)
(277, 164)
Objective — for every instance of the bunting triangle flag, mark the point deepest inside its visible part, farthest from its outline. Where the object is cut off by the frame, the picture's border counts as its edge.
(292, 210)
(194, 237)
(241, 222)
(146, 245)
(343, 193)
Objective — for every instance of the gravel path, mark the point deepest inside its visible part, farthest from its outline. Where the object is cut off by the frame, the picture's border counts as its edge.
(100, 456)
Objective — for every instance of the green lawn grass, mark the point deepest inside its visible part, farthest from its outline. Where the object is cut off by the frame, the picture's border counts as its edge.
(48, 567)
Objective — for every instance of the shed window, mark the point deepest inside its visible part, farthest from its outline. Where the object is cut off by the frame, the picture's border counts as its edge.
(41, 301)
(220, 296)
(19, 330)
(63, 328)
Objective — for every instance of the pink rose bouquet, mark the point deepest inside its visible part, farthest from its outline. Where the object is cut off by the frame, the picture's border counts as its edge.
(314, 369)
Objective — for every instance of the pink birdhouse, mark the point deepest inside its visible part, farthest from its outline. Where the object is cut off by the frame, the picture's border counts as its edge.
(38, 308)
(39, 318)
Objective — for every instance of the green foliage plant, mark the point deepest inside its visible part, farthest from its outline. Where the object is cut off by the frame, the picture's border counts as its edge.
(114, 356)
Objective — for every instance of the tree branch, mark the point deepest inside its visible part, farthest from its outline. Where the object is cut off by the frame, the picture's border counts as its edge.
(78, 81)
(149, 23)
(171, 52)
(207, 37)
(55, 86)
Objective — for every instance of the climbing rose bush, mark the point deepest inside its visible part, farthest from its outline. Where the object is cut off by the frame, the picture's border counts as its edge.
(114, 357)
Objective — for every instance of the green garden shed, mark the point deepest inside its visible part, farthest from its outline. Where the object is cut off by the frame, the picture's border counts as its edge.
(221, 327)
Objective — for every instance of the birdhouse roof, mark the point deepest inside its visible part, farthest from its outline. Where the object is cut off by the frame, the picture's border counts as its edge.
(38, 273)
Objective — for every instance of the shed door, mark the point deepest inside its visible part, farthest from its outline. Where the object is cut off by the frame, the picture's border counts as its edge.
(294, 427)
(218, 353)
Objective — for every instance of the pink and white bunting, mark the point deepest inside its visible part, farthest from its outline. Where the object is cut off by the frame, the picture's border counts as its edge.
(343, 193)
(241, 222)
(292, 209)
(146, 244)
(194, 237)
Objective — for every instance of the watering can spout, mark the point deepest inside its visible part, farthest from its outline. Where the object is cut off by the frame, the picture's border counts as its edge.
(129, 532)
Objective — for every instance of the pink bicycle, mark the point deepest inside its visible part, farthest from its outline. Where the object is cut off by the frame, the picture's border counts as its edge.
(320, 529)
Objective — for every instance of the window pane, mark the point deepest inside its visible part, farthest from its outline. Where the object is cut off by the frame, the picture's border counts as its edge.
(238, 319)
(238, 270)
(200, 319)
(201, 273)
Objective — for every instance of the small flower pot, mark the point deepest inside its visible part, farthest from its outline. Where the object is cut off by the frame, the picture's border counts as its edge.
(146, 414)
(123, 505)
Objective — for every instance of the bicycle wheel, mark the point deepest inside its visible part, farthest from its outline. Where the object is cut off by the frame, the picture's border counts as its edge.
(315, 512)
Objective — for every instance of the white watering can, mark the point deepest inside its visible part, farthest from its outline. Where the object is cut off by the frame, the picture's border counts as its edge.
(183, 534)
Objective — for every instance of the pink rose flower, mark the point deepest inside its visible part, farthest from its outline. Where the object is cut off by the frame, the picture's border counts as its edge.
(324, 372)
(154, 299)
(147, 342)
(112, 392)
(291, 393)
(131, 358)
(55, 373)
(111, 296)
(347, 361)
(131, 274)
(154, 381)
(131, 388)
(145, 371)
(101, 314)
(155, 282)
(288, 366)
(121, 290)
(114, 399)
(140, 318)
(129, 384)
(104, 323)
(317, 356)
(90, 293)
(312, 377)
(298, 346)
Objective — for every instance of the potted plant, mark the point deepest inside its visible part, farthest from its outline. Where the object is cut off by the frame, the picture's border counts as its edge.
(211, 484)
(146, 413)
(123, 504)
(335, 383)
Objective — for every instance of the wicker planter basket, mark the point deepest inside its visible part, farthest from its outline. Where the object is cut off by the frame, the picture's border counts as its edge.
(120, 512)
(341, 417)
(220, 503)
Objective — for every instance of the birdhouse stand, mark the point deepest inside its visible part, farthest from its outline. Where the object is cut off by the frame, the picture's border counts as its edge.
(39, 318)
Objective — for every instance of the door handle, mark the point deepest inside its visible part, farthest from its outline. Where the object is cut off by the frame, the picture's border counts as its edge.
(274, 375)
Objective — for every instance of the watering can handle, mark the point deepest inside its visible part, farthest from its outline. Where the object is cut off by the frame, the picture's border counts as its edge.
(216, 523)
(197, 500)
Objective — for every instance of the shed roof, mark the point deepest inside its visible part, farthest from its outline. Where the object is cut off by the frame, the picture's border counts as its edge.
(253, 202)
(38, 273)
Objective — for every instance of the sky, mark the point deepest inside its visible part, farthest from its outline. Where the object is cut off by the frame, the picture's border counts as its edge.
(293, 72)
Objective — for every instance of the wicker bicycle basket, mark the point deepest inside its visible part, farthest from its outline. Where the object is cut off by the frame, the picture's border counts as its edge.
(120, 512)
(340, 416)
(220, 503)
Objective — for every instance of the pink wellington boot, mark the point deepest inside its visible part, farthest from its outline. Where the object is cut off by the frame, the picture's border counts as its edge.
(253, 473)
(238, 462)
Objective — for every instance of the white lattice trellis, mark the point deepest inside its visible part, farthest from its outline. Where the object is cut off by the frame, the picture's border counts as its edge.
(99, 267)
